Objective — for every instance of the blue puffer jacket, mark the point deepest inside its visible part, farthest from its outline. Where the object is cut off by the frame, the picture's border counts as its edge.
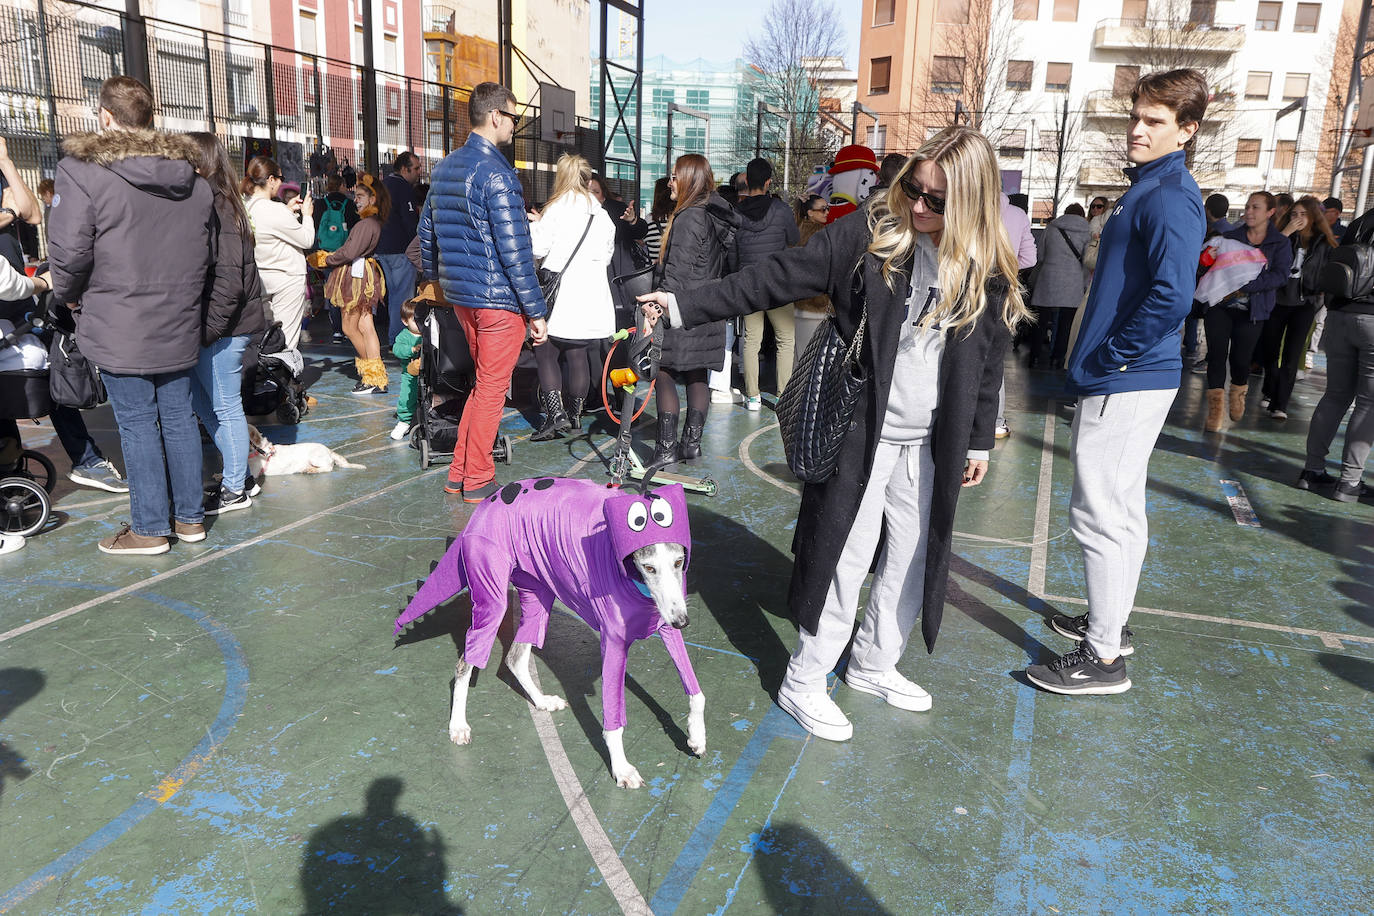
(474, 237)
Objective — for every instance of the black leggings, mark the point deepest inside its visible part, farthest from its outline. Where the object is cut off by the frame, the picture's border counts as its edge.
(1231, 337)
(1283, 345)
(574, 378)
(698, 392)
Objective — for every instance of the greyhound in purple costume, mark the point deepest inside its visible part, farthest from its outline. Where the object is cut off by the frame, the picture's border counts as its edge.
(573, 540)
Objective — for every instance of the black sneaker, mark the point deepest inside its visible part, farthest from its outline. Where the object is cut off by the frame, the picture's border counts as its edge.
(1315, 480)
(363, 388)
(1080, 671)
(1076, 628)
(1350, 492)
(227, 501)
(339, 338)
(250, 486)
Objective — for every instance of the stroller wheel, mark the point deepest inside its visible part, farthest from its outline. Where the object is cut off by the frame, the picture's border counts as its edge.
(37, 467)
(505, 446)
(424, 451)
(288, 413)
(24, 506)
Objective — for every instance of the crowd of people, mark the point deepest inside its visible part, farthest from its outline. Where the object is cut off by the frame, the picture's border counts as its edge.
(937, 274)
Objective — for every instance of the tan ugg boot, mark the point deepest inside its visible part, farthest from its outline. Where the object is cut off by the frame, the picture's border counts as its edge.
(1216, 402)
(1237, 403)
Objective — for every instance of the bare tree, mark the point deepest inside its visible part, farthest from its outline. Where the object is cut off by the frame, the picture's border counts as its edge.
(1058, 153)
(982, 49)
(795, 33)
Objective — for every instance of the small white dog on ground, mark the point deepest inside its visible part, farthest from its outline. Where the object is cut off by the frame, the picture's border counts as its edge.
(266, 458)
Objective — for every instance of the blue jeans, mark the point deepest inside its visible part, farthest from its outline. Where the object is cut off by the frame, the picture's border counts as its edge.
(161, 442)
(218, 401)
(400, 286)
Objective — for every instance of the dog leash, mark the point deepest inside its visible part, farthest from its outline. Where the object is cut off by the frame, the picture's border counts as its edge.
(643, 353)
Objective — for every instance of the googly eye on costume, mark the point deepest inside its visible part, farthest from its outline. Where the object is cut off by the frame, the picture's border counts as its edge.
(638, 518)
(661, 512)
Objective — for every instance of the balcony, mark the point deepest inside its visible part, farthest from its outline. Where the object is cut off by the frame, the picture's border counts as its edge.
(1168, 35)
(440, 18)
(1108, 104)
(1093, 176)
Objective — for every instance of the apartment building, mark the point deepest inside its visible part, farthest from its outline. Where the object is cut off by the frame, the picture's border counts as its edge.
(1049, 80)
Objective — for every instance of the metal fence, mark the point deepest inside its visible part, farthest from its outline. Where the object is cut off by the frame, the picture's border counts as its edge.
(53, 62)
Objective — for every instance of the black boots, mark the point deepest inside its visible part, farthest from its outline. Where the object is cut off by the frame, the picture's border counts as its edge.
(555, 420)
(666, 449)
(575, 415)
(691, 434)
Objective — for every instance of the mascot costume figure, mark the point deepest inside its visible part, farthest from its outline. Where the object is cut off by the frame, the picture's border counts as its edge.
(852, 179)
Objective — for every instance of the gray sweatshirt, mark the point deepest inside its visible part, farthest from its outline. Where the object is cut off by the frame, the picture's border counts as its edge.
(913, 400)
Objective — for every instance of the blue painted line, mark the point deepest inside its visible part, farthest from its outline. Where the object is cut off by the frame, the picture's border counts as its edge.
(235, 694)
(1014, 886)
(775, 724)
(697, 645)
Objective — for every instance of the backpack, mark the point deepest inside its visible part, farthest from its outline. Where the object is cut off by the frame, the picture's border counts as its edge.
(1349, 270)
(333, 229)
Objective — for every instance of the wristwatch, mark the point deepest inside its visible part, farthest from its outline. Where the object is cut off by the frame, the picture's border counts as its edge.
(14, 216)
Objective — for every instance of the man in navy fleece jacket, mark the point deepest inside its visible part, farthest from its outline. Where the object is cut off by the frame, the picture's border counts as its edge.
(1126, 369)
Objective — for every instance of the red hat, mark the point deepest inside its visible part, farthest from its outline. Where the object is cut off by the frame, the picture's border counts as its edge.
(854, 157)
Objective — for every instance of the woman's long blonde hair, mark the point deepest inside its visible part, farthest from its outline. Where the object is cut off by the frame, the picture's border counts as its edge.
(572, 175)
(974, 245)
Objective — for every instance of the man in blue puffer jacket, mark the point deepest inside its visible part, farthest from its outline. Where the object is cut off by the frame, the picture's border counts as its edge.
(1126, 369)
(475, 240)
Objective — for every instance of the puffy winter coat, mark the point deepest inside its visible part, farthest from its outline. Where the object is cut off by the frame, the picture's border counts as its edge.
(132, 239)
(767, 226)
(474, 237)
(1060, 280)
(234, 303)
(699, 246)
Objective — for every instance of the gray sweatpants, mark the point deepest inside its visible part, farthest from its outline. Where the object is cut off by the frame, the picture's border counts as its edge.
(899, 489)
(1349, 379)
(1113, 437)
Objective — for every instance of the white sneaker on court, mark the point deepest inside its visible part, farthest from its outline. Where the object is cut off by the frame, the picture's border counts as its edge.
(400, 430)
(891, 686)
(817, 713)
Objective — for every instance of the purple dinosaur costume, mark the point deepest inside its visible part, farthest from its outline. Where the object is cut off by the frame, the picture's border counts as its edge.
(571, 540)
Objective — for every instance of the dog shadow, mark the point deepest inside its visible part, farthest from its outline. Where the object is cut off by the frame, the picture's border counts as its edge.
(17, 686)
(801, 875)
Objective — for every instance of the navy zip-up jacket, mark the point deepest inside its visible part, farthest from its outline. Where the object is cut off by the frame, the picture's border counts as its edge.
(1143, 285)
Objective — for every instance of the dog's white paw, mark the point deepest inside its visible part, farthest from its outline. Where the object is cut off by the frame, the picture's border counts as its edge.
(629, 778)
(550, 703)
(460, 734)
(697, 745)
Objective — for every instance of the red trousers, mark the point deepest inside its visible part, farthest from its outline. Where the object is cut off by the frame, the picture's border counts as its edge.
(494, 339)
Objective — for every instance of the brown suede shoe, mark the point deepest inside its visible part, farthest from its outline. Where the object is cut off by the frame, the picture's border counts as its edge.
(126, 541)
(188, 533)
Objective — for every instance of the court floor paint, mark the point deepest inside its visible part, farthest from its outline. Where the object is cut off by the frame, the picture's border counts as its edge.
(230, 727)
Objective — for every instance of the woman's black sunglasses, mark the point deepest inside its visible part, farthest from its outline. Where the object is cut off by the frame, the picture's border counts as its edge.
(915, 193)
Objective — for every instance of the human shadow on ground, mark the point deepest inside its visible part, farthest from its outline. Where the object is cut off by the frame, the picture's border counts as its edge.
(801, 876)
(378, 862)
(17, 686)
(981, 612)
(1357, 671)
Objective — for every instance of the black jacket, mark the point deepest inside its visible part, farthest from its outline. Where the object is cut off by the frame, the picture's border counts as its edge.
(970, 376)
(766, 225)
(1359, 231)
(234, 301)
(699, 248)
(131, 238)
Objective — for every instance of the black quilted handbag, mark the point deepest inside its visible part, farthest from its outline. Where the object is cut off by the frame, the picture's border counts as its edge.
(816, 408)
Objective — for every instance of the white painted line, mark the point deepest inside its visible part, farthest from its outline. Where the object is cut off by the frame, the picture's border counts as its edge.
(1240, 504)
(1040, 543)
(1329, 639)
(618, 879)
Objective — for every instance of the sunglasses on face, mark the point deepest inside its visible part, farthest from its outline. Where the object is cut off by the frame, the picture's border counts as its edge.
(515, 119)
(914, 192)
(1098, 207)
(825, 209)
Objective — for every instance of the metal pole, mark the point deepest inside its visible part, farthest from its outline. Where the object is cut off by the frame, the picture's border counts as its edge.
(47, 77)
(271, 95)
(1352, 101)
(1297, 145)
(448, 121)
(209, 83)
(758, 130)
(787, 157)
(135, 43)
(319, 102)
(370, 144)
(605, 79)
(1363, 192)
(670, 140)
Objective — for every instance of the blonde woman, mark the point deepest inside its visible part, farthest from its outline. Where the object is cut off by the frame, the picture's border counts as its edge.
(585, 314)
(931, 262)
(282, 239)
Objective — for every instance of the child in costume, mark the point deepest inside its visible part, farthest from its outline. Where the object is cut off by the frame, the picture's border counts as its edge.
(852, 179)
(407, 347)
(356, 284)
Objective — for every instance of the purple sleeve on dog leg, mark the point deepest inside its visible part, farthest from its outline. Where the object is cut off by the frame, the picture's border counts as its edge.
(677, 649)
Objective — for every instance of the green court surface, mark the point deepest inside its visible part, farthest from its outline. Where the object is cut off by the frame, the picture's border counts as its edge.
(231, 727)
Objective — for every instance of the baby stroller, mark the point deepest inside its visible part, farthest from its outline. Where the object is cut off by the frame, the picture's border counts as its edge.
(26, 477)
(446, 378)
(273, 384)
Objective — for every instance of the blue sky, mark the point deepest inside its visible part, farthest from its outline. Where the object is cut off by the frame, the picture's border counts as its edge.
(717, 29)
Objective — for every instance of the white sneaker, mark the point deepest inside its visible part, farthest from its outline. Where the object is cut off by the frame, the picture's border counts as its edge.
(400, 430)
(817, 713)
(721, 397)
(754, 403)
(1001, 432)
(891, 686)
(9, 543)
(1309, 361)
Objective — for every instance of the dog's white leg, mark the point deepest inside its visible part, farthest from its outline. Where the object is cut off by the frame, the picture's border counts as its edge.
(459, 732)
(518, 663)
(626, 776)
(696, 723)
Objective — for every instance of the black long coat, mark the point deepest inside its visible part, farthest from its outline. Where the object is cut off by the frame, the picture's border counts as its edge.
(698, 250)
(970, 376)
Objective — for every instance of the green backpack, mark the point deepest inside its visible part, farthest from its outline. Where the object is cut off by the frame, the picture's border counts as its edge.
(333, 229)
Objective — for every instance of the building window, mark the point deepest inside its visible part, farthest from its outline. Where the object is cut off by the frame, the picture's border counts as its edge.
(700, 99)
(1294, 86)
(1025, 10)
(884, 12)
(1285, 151)
(1047, 141)
(358, 48)
(389, 54)
(952, 11)
(1013, 144)
(1247, 153)
(876, 140)
(1202, 12)
(879, 74)
(658, 139)
(947, 75)
(694, 140)
(1065, 10)
(661, 99)
(1257, 84)
(1267, 17)
(1057, 77)
(306, 42)
(1124, 80)
(1019, 74)
(181, 81)
(1134, 12)
(1309, 14)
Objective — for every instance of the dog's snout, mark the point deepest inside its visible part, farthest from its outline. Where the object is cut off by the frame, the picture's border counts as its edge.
(682, 622)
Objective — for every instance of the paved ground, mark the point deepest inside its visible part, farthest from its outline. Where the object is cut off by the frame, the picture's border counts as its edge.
(230, 728)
